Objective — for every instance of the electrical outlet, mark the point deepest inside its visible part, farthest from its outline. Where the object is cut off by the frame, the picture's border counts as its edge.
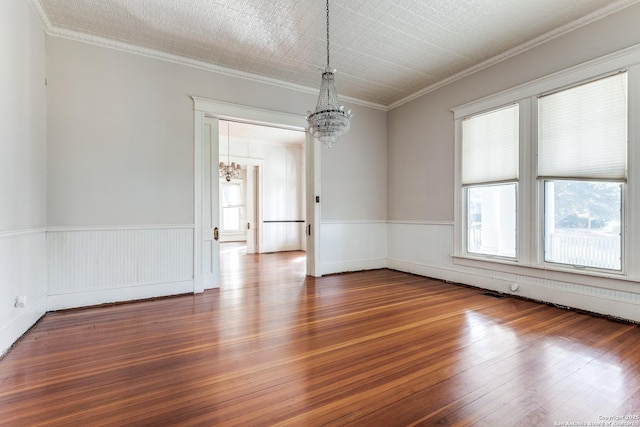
(21, 301)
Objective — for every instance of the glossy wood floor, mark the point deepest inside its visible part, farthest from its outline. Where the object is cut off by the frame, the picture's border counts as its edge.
(271, 347)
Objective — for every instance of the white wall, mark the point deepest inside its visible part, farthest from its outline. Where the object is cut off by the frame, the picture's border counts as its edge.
(353, 198)
(421, 172)
(121, 139)
(120, 155)
(22, 169)
(283, 182)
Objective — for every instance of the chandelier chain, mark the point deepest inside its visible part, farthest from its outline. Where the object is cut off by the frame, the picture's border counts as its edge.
(328, 34)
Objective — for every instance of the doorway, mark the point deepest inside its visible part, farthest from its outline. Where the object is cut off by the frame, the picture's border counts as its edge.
(262, 196)
(207, 114)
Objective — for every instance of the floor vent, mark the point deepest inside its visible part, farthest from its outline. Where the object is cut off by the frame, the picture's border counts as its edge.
(494, 295)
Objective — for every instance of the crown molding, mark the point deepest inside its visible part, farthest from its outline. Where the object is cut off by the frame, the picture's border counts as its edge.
(42, 15)
(53, 31)
(614, 7)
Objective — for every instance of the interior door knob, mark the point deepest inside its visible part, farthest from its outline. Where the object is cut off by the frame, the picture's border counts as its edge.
(216, 233)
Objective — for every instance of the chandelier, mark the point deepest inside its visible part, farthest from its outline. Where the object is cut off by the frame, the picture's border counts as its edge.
(329, 122)
(229, 170)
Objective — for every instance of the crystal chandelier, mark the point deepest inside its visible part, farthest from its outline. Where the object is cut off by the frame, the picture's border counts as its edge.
(329, 122)
(229, 170)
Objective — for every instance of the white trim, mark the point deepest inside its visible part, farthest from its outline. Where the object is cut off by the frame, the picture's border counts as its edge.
(23, 273)
(313, 211)
(353, 265)
(425, 250)
(557, 32)
(53, 31)
(17, 326)
(362, 221)
(568, 77)
(631, 199)
(582, 297)
(21, 232)
(600, 279)
(230, 111)
(118, 227)
(62, 33)
(94, 297)
(412, 222)
(198, 142)
(118, 287)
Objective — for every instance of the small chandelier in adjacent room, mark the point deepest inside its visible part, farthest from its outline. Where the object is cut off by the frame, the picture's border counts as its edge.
(329, 122)
(229, 170)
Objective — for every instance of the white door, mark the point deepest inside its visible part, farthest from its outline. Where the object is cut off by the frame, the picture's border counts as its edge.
(210, 205)
(252, 206)
(312, 181)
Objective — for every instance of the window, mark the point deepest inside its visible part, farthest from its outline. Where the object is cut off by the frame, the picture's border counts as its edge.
(489, 177)
(542, 175)
(582, 163)
(491, 220)
(547, 175)
(582, 223)
(232, 206)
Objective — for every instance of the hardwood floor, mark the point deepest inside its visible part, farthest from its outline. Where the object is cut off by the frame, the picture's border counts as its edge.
(272, 347)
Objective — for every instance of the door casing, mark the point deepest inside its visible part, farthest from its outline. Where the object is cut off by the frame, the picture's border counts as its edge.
(206, 271)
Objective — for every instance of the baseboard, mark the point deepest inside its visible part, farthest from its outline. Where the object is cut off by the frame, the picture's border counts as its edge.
(29, 315)
(280, 248)
(352, 265)
(589, 300)
(105, 296)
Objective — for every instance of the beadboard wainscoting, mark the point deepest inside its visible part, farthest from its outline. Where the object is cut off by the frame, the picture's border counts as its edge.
(425, 248)
(23, 290)
(352, 246)
(89, 266)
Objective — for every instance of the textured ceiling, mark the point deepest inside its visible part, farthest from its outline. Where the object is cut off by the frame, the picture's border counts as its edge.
(385, 51)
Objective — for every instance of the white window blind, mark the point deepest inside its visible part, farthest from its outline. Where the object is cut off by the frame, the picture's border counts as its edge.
(583, 131)
(490, 146)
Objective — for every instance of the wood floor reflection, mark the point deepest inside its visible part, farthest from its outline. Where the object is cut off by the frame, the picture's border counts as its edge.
(273, 347)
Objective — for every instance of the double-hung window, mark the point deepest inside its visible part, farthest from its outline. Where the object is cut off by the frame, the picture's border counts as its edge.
(582, 165)
(543, 175)
(232, 206)
(490, 179)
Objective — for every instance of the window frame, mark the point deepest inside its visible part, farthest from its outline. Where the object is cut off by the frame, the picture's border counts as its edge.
(465, 187)
(465, 190)
(461, 203)
(540, 184)
(530, 198)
